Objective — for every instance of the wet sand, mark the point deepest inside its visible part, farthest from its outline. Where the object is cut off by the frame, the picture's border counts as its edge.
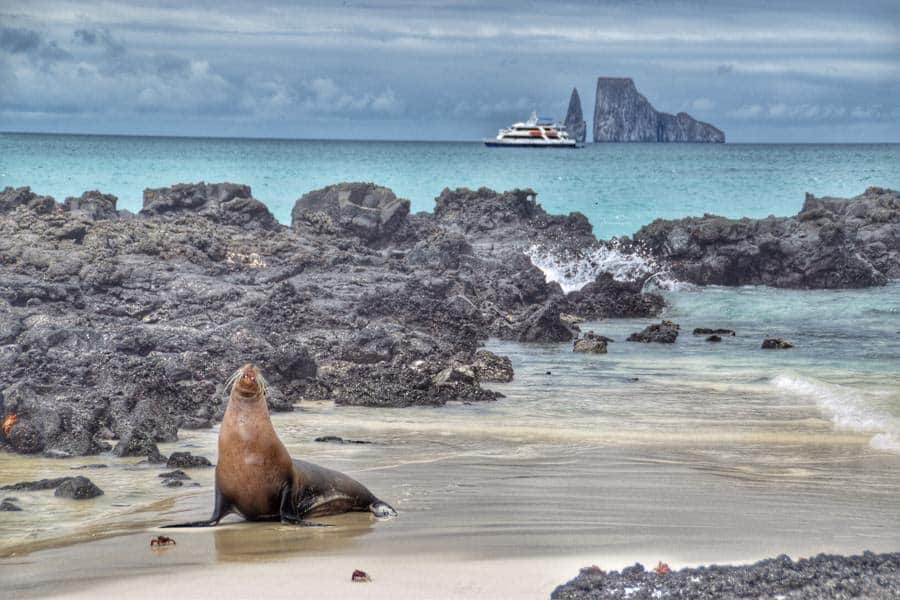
(687, 454)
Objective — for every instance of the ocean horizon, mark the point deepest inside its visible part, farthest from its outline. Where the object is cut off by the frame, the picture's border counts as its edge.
(619, 187)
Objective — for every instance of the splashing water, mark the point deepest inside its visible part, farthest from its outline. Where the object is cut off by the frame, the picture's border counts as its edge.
(847, 409)
(574, 272)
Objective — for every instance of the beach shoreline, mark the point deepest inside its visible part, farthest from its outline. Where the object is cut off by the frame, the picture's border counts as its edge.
(131, 569)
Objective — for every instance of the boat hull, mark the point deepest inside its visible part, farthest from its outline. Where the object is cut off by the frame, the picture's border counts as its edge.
(529, 144)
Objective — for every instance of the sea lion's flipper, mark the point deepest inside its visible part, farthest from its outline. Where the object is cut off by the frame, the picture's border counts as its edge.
(221, 509)
(289, 510)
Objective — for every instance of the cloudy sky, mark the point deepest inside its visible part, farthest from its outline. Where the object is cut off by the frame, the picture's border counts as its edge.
(818, 70)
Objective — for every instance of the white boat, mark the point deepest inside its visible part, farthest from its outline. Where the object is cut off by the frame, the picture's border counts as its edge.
(533, 133)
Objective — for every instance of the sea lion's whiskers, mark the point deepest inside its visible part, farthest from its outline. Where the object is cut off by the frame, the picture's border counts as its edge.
(263, 384)
(229, 383)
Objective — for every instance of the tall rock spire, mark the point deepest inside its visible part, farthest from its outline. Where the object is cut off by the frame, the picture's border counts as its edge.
(575, 124)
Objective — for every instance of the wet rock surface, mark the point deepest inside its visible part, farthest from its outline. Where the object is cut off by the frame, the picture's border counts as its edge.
(78, 488)
(186, 460)
(875, 576)
(334, 439)
(117, 330)
(776, 344)
(830, 243)
(8, 505)
(709, 331)
(662, 333)
(41, 484)
(591, 343)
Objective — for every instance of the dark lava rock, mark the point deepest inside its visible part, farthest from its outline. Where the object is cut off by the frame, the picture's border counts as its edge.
(869, 575)
(225, 203)
(138, 443)
(544, 325)
(333, 439)
(186, 460)
(776, 344)
(708, 331)
(92, 206)
(177, 474)
(42, 484)
(78, 488)
(490, 367)
(9, 505)
(607, 298)
(369, 211)
(714, 338)
(121, 326)
(664, 333)
(591, 343)
(831, 243)
(90, 466)
(172, 483)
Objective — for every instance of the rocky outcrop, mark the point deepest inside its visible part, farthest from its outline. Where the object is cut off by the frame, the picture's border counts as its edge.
(824, 576)
(119, 329)
(368, 211)
(622, 114)
(575, 124)
(78, 488)
(776, 344)
(665, 332)
(831, 243)
(591, 344)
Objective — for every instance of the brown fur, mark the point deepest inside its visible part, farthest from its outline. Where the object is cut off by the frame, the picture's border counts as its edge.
(256, 476)
(253, 463)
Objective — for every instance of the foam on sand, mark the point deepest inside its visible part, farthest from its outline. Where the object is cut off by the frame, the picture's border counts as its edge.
(847, 408)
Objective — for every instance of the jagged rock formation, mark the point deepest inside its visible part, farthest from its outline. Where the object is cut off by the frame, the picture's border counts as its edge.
(831, 243)
(575, 124)
(121, 329)
(824, 576)
(622, 114)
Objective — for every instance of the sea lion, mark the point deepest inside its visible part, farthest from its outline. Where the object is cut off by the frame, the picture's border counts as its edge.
(256, 477)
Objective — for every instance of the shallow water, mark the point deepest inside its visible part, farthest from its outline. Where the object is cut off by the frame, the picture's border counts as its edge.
(620, 187)
(695, 452)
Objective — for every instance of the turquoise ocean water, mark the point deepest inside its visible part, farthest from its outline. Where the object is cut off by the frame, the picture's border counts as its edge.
(618, 186)
(707, 452)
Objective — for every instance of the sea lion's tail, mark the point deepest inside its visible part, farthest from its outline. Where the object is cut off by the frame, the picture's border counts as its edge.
(382, 509)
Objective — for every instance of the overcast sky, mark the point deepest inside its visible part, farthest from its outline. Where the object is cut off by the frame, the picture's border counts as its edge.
(820, 70)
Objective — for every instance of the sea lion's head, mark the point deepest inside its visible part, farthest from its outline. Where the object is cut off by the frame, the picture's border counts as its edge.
(247, 383)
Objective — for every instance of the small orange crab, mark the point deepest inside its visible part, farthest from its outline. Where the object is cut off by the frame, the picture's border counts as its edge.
(662, 568)
(161, 540)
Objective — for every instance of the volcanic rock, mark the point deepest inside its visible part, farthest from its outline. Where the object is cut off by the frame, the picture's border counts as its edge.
(575, 125)
(78, 488)
(8, 505)
(590, 344)
(776, 343)
(622, 114)
(665, 332)
(708, 331)
(831, 243)
(186, 460)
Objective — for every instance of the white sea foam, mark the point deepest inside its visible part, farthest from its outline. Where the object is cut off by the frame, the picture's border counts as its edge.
(574, 272)
(847, 408)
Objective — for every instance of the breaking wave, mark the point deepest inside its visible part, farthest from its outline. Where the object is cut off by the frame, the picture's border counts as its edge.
(847, 409)
(574, 272)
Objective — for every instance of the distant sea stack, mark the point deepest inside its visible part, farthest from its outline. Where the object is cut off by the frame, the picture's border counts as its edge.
(623, 114)
(575, 124)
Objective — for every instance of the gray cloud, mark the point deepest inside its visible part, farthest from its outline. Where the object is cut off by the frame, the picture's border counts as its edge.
(16, 40)
(448, 68)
